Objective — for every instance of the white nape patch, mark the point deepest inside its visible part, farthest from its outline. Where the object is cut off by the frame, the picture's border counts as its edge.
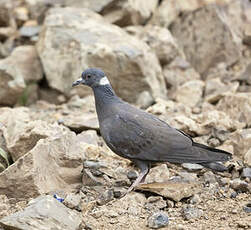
(104, 81)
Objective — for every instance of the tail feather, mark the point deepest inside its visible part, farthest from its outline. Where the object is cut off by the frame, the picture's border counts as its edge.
(215, 166)
(212, 154)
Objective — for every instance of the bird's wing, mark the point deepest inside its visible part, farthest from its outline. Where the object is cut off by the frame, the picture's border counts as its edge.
(139, 135)
(135, 134)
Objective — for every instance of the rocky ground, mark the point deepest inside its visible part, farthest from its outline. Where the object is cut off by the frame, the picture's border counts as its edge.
(188, 62)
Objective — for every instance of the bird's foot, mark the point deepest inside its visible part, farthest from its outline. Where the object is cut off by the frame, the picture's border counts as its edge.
(144, 169)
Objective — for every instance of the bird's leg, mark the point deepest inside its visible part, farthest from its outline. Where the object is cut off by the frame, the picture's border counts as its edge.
(144, 169)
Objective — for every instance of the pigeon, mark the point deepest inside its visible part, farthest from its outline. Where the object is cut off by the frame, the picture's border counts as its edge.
(142, 137)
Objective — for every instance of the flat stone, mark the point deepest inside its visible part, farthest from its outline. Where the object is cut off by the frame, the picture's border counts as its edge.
(44, 212)
(192, 167)
(79, 122)
(172, 190)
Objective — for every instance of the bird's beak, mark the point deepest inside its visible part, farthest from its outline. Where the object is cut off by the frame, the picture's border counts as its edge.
(79, 81)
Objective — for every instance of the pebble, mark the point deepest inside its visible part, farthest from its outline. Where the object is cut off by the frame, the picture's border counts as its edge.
(21, 13)
(223, 181)
(247, 208)
(233, 195)
(214, 142)
(235, 174)
(29, 31)
(158, 220)
(91, 164)
(234, 211)
(195, 199)
(192, 167)
(96, 172)
(246, 172)
(112, 214)
(243, 224)
(170, 203)
(118, 191)
(72, 201)
(155, 203)
(132, 175)
(105, 197)
(180, 227)
(239, 185)
(192, 213)
(209, 177)
(60, 121)
(188, 177)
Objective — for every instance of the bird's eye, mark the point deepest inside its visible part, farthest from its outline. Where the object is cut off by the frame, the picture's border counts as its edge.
(88, 76)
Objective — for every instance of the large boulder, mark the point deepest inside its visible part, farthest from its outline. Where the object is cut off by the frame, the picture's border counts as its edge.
(247, 158)
(55, 163)
(241, 141)
(215, 89)
(190, 93)
(159, 39)
(74, 39)
(237, 106)
(178, 72)
(26, 60)
(22, 134)
(206, 46)
(126, 12)
(169, 10)
(20, 141)
(122, 13)
(11, 85)
(13, 81)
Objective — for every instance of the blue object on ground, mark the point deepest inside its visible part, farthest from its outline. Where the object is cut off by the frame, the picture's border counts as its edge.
(58, 198)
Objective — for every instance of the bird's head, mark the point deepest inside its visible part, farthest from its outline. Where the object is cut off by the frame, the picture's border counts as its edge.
(92, 77)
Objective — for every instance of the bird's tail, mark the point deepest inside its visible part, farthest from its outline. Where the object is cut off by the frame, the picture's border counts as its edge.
(215, 166)
(212, 156)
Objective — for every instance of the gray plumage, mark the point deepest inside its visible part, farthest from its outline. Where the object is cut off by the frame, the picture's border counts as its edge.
(142, 137)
